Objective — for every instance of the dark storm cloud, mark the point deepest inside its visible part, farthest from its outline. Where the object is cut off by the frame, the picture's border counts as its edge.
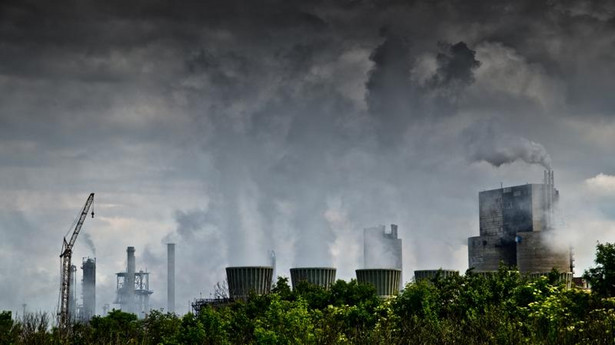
(275, 114)
(456, 63)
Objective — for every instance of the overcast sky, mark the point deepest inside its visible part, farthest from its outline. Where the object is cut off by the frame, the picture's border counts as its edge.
(237, 127)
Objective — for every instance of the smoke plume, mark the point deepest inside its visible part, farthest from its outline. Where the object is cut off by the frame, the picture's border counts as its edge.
(486, 143)
(87, 238)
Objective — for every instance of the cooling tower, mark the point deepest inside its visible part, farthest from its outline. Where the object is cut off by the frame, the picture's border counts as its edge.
(248, 279)
(431, 274)
(321, 276)
(385, 280)
(88, 288)
(536, 255)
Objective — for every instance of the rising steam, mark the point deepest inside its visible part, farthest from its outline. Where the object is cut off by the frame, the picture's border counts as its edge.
(485, 143)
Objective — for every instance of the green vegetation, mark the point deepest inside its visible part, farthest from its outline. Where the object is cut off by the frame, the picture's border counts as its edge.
(501, 308)
(602, 277)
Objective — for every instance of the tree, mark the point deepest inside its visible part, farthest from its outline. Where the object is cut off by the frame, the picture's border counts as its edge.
(8, 329)
(115, 328)
(602, 277)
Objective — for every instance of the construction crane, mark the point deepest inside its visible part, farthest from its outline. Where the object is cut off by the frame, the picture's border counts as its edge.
(65, 257)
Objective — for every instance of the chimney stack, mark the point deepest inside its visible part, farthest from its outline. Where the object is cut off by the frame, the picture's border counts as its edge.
(129, 288)
(171, 277)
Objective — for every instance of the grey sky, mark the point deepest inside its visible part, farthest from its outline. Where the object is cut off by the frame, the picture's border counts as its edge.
(235, 127)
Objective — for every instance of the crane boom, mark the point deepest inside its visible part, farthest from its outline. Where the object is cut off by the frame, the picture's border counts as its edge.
(65, 256)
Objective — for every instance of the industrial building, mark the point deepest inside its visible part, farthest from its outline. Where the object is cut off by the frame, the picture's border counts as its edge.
(133, 287)
(515, 228)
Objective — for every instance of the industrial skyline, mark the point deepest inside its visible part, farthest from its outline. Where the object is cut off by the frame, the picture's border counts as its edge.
(234, 129)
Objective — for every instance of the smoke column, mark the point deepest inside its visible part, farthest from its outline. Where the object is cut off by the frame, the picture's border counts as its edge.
(88, 240)
(485, 143)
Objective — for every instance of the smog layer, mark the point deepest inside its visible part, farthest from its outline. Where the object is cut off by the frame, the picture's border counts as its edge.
(233, 128)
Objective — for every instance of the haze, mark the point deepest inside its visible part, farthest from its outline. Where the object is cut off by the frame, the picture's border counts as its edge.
(233, 128)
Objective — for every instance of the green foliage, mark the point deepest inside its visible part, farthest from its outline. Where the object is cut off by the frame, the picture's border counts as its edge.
(33, 328)
(115, 327)
(282, 288)
(602, 277)
(8, 329)
(285, 322)
(160, 328)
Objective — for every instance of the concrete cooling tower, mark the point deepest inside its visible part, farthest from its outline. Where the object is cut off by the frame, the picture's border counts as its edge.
(321, 276)
(244, 280)
(385, 280)
(431, 274)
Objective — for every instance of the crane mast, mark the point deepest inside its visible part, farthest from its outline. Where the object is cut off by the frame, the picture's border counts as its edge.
(65, 257)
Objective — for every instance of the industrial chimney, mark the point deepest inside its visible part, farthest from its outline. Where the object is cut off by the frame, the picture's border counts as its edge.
(171, 277)
(88, 288)
(129, 288)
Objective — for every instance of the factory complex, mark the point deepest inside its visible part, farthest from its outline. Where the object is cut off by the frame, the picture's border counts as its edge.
(517, 228)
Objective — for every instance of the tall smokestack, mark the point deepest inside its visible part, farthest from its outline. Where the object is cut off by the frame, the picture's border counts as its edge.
(129, 288)
(171, 277)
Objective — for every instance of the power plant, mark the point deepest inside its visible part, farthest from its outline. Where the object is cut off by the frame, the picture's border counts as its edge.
(516, 228)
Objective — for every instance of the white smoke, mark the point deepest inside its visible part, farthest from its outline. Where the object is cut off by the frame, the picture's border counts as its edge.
(486, 143)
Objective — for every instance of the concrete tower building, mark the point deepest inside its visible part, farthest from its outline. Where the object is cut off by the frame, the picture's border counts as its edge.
(514, 222)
